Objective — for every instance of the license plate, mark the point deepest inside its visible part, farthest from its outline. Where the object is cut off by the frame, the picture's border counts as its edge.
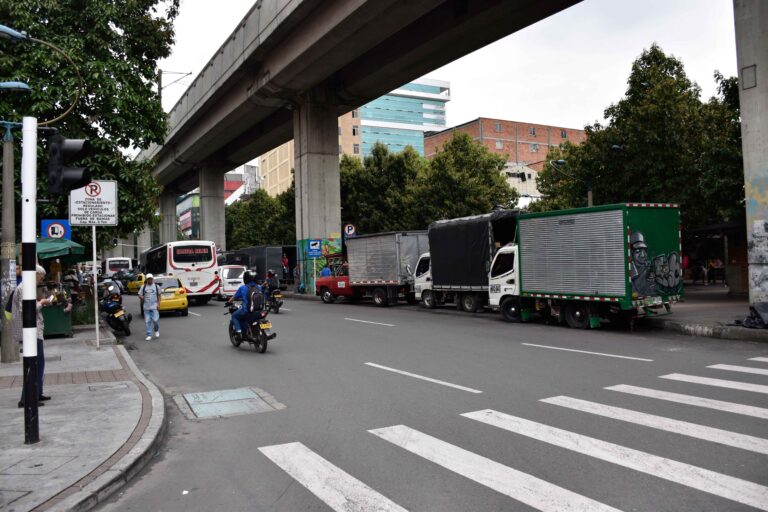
(167, 295)
(265, 325)
(119, 314)
(193, 283)
(277, 296)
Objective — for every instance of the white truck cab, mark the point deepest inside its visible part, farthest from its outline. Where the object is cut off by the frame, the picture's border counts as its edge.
(422, 277)
(504, 277)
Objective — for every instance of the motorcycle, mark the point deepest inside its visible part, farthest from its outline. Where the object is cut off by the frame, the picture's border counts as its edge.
(117, 318)
(275, 301)
(257, 332)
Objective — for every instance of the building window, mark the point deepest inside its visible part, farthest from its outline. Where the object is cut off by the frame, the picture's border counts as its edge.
(529, 175)
(356, 149)
(563, 134)
(354, 114)
(532, 130)
(497, 127)
(534, 148)
(355, 130)
(499, 144)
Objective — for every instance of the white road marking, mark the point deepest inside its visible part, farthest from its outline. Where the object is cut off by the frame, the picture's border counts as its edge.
(587, 352)
(746, 410)
(705, 480)
(286, 309)
(730, 384)
(715, 435)
(338, 489)
(196, 314)
(743, 369)
(369, 322)
(428, 379)
(520, 486)
(760, 359)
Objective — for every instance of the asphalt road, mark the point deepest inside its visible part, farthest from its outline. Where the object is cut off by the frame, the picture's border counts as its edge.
(510, 425)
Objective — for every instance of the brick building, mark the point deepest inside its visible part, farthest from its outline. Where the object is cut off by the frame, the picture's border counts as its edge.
(524, 144)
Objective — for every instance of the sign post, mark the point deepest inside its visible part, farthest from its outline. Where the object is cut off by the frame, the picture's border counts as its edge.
(94, 205)
(315, 250)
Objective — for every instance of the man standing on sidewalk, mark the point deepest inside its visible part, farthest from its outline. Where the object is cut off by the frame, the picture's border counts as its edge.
(149, 295)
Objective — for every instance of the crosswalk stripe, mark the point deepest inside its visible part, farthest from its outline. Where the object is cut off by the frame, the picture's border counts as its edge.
(730, 384)
(338, 489)
(716, 435)
(709, 403)
(725, 486)
(743, 369)
(760, 359)
(520, 486)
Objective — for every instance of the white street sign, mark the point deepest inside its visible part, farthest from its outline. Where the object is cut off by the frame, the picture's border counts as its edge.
(94, 205)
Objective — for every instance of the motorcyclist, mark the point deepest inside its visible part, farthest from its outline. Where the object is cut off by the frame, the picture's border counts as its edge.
(271, 283)
(242, 294)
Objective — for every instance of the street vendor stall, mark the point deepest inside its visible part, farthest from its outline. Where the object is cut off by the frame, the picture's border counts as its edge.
(58, 317)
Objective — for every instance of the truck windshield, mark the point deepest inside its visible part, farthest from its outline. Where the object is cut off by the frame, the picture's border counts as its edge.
(422, 267)
(504, 264)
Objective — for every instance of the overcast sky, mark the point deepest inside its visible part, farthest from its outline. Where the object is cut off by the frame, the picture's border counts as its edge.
(561, 71)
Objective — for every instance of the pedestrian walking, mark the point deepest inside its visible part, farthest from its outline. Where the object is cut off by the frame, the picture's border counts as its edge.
(17, 327)
(149, 295)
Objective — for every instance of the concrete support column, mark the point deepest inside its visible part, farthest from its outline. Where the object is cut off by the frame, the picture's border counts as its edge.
(168, 227)
(751, 17)
(316, 146)
(143, 241)
(212, 224)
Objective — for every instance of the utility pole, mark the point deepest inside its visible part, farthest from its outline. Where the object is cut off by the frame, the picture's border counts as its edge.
(9, 352)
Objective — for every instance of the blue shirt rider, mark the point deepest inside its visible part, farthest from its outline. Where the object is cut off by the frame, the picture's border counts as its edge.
(242, 294)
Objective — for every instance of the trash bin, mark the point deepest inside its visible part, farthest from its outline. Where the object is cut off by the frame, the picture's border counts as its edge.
(57, 322)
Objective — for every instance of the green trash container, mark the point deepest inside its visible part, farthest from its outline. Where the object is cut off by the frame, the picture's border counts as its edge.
(57, 322)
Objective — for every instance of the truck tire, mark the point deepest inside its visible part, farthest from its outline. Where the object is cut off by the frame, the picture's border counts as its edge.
(577, 315)
(380, 297)
(327, 296)
(470, 302)
(510, 309)
(428, 299)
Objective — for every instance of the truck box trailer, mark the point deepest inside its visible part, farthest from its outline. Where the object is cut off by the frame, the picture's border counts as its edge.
(262, 258)
(379, 266)
(580, 266)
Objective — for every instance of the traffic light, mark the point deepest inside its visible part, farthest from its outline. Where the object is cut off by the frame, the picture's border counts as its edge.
(114, 242)
(62, 179)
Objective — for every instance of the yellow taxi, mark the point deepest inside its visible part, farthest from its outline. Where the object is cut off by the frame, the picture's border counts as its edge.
(173, 295)
(135, 284)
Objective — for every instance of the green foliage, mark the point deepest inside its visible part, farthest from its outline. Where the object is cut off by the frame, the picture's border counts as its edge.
(116, 46)
(661, 144)
(261, 220)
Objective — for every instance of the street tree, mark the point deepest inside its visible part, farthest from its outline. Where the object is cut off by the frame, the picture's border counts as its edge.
(116, 47)
(660, 143)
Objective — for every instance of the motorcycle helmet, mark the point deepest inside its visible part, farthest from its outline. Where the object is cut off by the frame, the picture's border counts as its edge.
(270, 273)
(247, 277)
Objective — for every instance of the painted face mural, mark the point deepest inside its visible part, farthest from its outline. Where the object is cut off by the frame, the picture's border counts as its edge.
(662, 275)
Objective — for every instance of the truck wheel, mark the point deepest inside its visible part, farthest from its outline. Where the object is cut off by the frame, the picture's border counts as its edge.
(577, 315)
(510, 309)
(327, 296)
(380, 297)
(428, 299)
(470, 302)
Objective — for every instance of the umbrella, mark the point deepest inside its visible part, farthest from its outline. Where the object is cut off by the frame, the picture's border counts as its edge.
(67, 251)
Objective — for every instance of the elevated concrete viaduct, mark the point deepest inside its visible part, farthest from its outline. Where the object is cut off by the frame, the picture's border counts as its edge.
(290, 68)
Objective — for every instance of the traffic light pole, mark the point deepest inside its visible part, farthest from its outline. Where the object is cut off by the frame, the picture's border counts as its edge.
(29, 277)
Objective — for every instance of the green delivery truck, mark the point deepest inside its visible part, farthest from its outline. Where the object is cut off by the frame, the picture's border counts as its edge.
(579, 266)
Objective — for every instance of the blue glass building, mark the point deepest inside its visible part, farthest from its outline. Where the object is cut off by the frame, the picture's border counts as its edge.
(401, 117)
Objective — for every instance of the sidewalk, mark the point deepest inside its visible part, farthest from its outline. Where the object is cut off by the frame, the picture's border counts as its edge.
(707, 311)
(102, 425)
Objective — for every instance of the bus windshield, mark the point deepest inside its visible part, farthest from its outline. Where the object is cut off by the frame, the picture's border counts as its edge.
(192, 254)
(115, 265)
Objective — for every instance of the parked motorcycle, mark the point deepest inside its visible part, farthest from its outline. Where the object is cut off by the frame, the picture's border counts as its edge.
(257, 332)
(275, 301)
(113, 310)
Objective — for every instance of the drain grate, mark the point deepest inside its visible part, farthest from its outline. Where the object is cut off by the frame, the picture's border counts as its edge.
(226, 402)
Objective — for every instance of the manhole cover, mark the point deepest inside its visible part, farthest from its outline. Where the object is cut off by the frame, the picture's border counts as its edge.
(226, 402)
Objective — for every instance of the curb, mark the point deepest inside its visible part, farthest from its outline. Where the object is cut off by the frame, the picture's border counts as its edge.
(300, 296)
(725, 332)
(123, 470)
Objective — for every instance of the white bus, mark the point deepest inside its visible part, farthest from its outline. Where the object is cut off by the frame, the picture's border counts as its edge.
(192, 261)
(111, 266)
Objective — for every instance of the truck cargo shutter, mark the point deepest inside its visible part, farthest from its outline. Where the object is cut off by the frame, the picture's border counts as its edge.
(574, 254)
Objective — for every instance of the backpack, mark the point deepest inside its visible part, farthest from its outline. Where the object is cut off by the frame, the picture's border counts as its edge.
(255, 300)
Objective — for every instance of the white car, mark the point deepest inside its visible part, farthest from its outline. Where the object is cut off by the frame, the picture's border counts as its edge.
(230, 279)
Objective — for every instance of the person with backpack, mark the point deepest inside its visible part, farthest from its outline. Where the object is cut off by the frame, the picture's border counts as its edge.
(149, 295)
(244, 294)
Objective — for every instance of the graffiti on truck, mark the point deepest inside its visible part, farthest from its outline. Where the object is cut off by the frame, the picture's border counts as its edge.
(662, 275)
